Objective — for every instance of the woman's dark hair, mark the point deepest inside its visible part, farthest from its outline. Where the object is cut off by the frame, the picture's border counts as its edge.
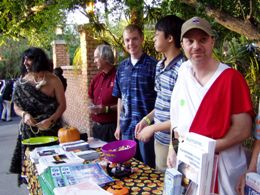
(58, 71)
(40, 61)
(171, 26)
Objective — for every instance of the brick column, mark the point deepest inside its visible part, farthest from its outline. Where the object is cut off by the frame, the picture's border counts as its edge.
(88, 45)
(60, 54)
(78, 79)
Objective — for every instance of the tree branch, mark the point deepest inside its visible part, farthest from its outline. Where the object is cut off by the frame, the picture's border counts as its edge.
(243, 27)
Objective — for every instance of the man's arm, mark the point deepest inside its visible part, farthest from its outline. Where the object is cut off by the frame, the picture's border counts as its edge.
(240, 130)
(255, 153)
(146, 121)
(252, 168)
(148, 131)
(117, 132)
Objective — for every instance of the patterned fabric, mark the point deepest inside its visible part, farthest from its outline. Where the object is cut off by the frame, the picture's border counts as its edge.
(40, 107)
(143, 180)
(135, 86)
(165, 80)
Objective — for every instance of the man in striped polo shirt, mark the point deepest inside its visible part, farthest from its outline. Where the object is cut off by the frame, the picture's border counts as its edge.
(166, 41)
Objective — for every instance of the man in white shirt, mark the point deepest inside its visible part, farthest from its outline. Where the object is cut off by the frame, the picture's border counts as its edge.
(213, 100)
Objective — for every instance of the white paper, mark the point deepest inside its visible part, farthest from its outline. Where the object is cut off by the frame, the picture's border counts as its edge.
(96, 143)
(83, 188)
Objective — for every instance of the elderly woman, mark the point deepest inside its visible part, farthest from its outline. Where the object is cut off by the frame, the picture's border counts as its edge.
(39, 99)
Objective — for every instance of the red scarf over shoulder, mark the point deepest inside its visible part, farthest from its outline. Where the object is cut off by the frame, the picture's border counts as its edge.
(228, 95)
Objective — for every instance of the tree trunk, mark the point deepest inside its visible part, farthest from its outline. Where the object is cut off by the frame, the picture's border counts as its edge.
(242, 27)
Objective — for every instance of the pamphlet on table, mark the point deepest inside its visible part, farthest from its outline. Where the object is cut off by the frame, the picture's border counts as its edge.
(45, 151)
(60, 176)
(59, 159)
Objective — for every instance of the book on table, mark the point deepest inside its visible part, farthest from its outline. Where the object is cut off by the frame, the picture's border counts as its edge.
(195, 159)
(66, 175)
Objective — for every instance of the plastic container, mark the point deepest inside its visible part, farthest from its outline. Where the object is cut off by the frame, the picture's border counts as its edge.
(114, 153)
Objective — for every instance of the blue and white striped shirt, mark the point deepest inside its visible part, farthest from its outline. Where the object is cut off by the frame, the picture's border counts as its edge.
(135, 86)
(165, 80)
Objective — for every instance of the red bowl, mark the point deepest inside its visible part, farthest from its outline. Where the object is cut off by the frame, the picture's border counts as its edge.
(112, 154)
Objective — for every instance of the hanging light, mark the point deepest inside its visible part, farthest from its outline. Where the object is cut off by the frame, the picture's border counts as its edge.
(90, 7)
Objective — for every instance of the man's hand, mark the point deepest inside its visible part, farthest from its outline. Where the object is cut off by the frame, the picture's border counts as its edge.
(171, 158)
(146, 134)
(139, 127)
(117, 134)
(97, 109)
(240, 187)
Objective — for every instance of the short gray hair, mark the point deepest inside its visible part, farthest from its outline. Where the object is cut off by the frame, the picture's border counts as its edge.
(106, 53)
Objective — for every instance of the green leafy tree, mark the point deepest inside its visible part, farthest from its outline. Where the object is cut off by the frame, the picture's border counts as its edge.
(11, 58)
(37, 20)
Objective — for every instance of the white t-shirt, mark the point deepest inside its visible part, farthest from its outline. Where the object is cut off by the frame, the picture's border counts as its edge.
(134, 61)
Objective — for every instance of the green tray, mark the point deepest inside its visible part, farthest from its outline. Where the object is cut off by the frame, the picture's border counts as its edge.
(35, 141)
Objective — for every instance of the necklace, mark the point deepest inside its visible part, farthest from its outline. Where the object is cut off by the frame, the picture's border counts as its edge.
(40, 83)
(22, 82)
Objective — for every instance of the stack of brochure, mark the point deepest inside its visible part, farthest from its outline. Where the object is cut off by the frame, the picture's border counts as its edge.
(195, 161)
(45, 151)
(252, 184)
(75, 146)
(61, 176)
(172, 182)
(96, 143)
(81, 149)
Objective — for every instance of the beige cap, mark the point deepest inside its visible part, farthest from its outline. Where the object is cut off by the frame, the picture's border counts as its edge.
(196, 23)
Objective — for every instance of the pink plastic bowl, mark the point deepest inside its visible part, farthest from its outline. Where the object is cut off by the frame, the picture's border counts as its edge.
(122, 155)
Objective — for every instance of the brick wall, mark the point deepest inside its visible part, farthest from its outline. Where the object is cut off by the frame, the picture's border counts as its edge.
(78, 80)
(60, 54)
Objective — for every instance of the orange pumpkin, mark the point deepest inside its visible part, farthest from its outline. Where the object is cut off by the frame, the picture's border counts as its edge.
(118, 189)
(68, 134)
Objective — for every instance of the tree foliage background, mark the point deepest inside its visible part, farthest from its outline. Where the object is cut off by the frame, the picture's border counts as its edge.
(236, 23)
